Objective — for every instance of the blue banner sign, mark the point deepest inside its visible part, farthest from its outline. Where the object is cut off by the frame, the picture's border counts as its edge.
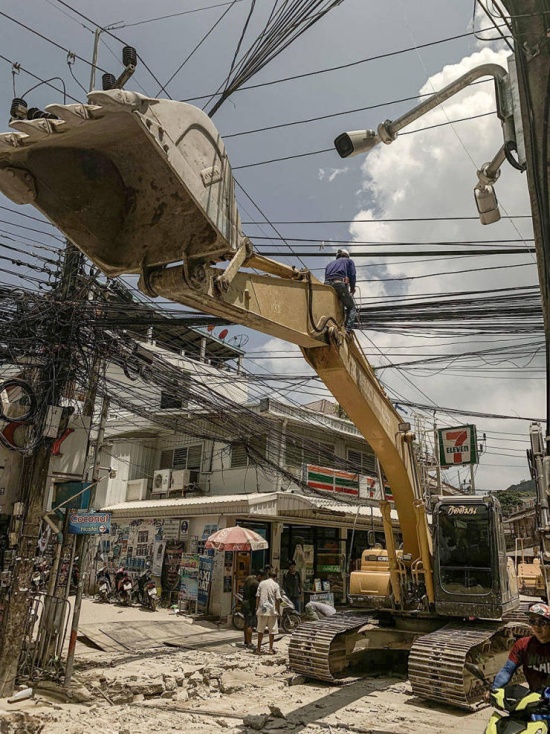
(89, 523)
(205, 579)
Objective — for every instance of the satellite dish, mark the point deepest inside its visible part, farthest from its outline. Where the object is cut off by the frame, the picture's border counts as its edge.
(239, 340)
(223, 334)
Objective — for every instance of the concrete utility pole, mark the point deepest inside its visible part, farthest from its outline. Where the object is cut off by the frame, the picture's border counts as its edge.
(53, 378)
(530, 21)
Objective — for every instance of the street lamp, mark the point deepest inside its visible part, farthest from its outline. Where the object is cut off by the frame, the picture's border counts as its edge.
(362, 141)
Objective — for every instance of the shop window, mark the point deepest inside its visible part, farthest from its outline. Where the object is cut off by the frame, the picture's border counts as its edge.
(302, 450)
(241, 457)
(363, 462)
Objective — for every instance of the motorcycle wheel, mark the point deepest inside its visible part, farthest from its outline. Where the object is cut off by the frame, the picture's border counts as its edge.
(238, 621)
(291, 621)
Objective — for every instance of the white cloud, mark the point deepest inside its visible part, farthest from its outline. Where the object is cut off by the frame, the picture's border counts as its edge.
(331, 173)
(433, 174)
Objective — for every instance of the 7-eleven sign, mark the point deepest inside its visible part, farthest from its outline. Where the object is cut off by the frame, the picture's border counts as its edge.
(457, 445)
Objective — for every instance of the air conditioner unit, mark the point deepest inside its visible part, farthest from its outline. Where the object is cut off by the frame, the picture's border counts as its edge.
(162, 479)
(136, 489)
(182, 478)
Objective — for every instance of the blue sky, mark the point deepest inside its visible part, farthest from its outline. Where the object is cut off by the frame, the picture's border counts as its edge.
(426, 174)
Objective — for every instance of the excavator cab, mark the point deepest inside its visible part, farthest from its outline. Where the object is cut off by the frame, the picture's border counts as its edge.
(473, 577)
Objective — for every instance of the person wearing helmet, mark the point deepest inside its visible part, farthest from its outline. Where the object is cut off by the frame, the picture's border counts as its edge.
(532, 653)
(340, 274)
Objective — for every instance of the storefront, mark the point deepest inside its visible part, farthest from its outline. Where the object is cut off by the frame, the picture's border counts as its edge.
(320, 557)
(315, 533)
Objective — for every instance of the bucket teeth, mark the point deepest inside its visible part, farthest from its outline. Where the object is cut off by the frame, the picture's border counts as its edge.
(9, 141)
(118, 99)
(74, 114)
(38, 129)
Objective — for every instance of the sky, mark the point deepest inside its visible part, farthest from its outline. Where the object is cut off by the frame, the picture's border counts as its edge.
(426, 174)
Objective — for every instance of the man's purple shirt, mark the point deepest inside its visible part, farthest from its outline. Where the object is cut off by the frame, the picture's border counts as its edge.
(343, 267)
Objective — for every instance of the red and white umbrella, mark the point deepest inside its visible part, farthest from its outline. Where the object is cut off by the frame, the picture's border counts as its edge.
(236, 539)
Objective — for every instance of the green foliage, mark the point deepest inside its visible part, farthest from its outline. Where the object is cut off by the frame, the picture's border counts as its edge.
(515, 494)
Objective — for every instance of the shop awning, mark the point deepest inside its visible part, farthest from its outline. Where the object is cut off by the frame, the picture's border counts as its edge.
(271, 505)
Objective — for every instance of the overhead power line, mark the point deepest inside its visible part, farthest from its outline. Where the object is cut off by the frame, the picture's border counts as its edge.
(331, 150)
(349, 65)
(182, 12)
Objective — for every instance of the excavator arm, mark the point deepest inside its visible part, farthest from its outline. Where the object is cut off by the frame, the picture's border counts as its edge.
(144, 186)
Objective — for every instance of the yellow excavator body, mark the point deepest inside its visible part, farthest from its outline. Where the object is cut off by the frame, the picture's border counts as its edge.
(144, 186)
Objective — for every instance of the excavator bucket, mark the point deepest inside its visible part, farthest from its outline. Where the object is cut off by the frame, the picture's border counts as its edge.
(134, 182)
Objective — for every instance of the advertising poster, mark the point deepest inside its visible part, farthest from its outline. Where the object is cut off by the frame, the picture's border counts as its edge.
(309, 553)
(206, 564)
(159, 546)
(189, 577)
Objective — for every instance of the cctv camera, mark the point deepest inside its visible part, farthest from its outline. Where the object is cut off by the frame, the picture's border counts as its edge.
(487, 204)
(355, 142)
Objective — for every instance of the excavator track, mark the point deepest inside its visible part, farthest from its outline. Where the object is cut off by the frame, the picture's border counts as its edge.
(319, 650)
(437, 660)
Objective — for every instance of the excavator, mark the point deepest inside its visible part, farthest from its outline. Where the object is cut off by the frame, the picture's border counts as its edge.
(144, 186)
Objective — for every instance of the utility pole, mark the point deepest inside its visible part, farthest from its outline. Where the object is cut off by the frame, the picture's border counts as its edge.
(530, 21)
(52, 379)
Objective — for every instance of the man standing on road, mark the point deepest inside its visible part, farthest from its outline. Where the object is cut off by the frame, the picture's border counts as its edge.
(292, 586)
(248, 606)
(268, 602)
(340, 274)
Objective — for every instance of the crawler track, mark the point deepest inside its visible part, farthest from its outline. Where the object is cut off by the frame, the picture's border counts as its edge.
(436, 660)
(321, 649)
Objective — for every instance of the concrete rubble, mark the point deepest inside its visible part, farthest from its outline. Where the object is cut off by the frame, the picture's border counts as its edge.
(210, 690)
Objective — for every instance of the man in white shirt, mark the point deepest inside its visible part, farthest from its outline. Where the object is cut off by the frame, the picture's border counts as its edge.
(268, 602)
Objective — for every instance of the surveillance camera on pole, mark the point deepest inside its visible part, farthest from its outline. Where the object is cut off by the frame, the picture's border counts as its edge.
(362, 141)
(355, 142)
(484, 192)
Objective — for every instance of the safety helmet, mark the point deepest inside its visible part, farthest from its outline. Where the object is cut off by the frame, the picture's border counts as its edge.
(342, 253)
(541, 610)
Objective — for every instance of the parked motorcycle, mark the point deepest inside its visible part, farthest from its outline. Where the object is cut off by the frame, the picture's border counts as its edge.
(147, 590)
(124, 587)
(290, 619)
(237, 617)
(104, 587)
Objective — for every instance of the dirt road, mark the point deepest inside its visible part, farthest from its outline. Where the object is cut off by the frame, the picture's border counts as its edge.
(204, 681)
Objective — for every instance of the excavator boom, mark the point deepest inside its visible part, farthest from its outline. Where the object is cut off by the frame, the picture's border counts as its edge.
(144, 186)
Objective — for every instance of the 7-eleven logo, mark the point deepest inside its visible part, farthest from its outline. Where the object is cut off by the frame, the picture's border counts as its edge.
(457, 445)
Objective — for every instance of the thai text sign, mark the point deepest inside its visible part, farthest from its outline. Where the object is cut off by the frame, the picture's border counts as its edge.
(89, 523)
(457, 445)
(206, 564)
(332, 480)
